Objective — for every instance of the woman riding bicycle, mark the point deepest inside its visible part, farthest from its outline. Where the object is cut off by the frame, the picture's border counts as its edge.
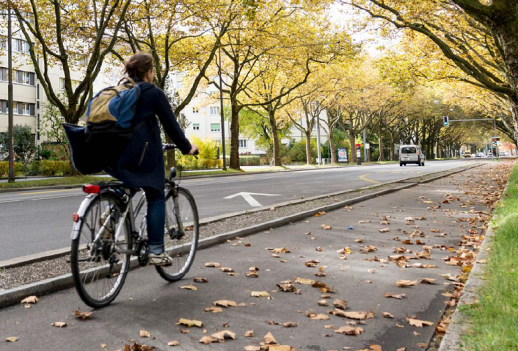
(142, 163)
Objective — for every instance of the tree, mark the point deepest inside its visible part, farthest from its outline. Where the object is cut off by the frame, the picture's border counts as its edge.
(77, 36)
(23, 146)
(51, 122)
(479, 38)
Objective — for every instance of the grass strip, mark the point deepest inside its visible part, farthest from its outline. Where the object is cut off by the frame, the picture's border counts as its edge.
(495, 318)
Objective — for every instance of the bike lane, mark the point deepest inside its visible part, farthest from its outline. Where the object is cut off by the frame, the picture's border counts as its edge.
(150, 304)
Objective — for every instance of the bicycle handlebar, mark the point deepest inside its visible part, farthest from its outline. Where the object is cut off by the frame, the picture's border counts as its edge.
(173, 147)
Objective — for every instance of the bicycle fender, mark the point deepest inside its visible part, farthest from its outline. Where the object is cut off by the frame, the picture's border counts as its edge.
(81, 212)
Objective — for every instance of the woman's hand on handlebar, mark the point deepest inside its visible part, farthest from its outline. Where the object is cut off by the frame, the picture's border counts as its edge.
(194, 150)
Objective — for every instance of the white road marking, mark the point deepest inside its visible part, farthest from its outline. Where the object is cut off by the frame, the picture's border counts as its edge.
(248, 197)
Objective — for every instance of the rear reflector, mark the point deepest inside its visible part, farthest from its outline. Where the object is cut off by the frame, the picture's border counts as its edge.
(91, 189)
(75, 217)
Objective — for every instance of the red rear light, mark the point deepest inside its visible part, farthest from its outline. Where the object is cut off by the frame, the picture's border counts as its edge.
(75, 217)
(91, 189)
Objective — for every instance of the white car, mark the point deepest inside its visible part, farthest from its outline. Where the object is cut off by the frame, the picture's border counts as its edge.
(411, 154)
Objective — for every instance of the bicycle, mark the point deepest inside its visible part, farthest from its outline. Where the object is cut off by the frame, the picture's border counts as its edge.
(108, 230)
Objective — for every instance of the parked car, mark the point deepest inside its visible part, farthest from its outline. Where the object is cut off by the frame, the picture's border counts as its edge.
(467, 154)
(502, 153)
(479, 155)
(411, 154)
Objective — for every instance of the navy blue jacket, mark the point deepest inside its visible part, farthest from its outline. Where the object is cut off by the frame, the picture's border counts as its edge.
(142, 163)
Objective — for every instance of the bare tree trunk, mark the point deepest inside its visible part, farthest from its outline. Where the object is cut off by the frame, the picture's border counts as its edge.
(380, 142)
(332, 145)
(352, 140)
(392, 156)
(277, 161)
(308, 146)
(234, 137)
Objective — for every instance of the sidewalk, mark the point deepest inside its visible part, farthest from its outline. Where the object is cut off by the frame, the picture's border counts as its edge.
(362, 279)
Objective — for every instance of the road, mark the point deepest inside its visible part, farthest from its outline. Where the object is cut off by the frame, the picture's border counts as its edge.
(148, 303)
(38, 221)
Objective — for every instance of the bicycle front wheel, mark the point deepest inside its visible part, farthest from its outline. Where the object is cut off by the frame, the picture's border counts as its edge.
(181, 234)
(98, 268)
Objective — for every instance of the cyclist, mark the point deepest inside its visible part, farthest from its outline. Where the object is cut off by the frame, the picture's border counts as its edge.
(142, 163)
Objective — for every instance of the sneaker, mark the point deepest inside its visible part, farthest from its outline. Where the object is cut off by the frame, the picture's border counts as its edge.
(162, 259)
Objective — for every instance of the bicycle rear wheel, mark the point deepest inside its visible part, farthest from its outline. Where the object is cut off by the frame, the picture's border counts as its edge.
(181, 239)
(98, 269)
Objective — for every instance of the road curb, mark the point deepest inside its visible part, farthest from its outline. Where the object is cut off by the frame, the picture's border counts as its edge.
(48, 286)
(42, 256)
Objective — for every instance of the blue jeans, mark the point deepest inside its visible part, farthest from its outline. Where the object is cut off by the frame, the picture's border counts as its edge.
(155, 219)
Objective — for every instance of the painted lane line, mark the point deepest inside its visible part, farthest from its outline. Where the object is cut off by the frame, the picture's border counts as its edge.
(363, 177)
(248, 197)
(48, 192)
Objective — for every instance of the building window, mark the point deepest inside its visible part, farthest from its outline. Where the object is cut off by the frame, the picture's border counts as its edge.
(3, 106)
(215, 127)
(27, 78)
(3, 74)
(242, 143)
(195, 110)
(26, 109)
(3, 42)
(214, 110)
(61, 83)
(196, 126)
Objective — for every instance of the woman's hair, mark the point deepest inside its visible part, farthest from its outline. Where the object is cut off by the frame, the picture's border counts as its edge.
(138, 65)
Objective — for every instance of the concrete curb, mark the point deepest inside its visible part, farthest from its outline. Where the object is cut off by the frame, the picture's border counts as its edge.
(42, 256)
(48, 286)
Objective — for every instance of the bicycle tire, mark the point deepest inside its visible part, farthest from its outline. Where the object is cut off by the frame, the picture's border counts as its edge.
(86, 277)
(188, 243)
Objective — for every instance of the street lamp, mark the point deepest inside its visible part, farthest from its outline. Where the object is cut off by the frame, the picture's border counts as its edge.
(10, 93)
(221, 111)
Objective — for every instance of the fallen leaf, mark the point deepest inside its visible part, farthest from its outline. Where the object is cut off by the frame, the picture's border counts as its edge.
(189, 287)
(428, 281)
(341, 304)
(269, 339)
(280, 348)
(418, 323)
(173, 343)
(259, 294)
(252, 274)
(249, 334)
(359, 240)
(406, 283)
(384, 230)
(322, 303)
(59, 324)
(387, 315)
(213, 264)
(312, 263)
(290, 325)
(214, 309)
(395, 296)
(144, 334)
(252, 348)
(320, 249)
(321, 213)
(347, 330)
(207, 340)
(190, 322)
(30, 299)
(361, 315)
(281, 250)
(200, 280)
(319, 317)
(227, 269)
(83, 315)
(224, 334)
(224, 303)
(305, 281)
(326, 227)
(12, 339)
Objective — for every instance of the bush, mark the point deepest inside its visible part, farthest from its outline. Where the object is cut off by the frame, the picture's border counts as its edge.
(53, 168)
(251, 160)
(297, 151)
(4, 168)
(206, 157)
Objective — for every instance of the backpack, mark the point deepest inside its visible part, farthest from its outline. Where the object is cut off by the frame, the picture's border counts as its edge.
(109, 128)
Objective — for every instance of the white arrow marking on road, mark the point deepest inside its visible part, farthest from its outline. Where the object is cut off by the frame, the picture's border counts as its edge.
(248, 197)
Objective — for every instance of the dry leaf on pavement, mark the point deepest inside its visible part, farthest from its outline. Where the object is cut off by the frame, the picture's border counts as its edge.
(252, 348)
(428, 281)
(360, 315)
(341, 304)
(224, 334)
(395, 296)
(280, 348)
(144, 334)
(305, 281)
(212, 264)
(224, 303)
(200, 280)
(418, 323)
(322, 302)
(269, 339)
(189, 287)
(227, 269)
(406, 283)
(319, 317)
(12, 339)
(173, 343)
(347, 330)
(259, 294)
(190, 322)
(326, 227)
(312, 263)
(59, 324)
(384, 230)
(249, 333)
(214, 309)
(83, 315)
(30, 299)
(207, 340)
(387, 315)
(290, 325)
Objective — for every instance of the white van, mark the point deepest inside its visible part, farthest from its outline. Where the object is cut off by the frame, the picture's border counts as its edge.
(411, 154)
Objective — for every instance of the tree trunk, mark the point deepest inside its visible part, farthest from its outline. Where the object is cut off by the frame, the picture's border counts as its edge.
(352, 140)
(234, 137)
(332, 146)
(392, 156)
(308, 146)
(380, 142)
(277, 161)
(170, 157)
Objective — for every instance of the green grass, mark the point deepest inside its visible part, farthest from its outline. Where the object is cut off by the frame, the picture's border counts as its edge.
(201, 173)
(495, 317)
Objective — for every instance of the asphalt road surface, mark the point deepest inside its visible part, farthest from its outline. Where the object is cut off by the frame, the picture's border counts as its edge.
(37, 221)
